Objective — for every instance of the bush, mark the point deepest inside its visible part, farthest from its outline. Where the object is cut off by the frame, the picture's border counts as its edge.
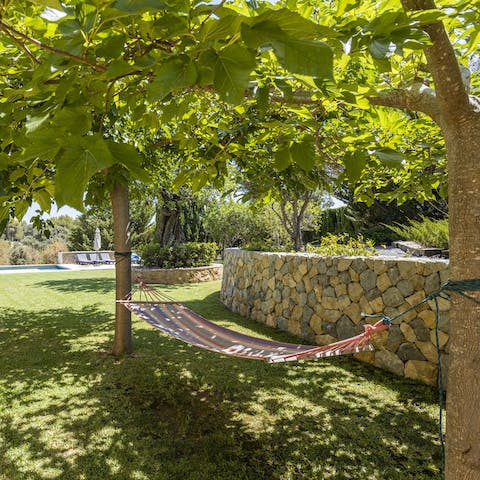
(427, 232)
(342, 244)
(190, 254)
(265, 246)
(22, 255)
(50, 252)
(4, 252)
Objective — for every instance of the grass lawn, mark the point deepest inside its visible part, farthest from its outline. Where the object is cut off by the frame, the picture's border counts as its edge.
(68, 410)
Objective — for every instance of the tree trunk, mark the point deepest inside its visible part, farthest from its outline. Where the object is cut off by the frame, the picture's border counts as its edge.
(463, 395)
(168, 225)
(121, 240)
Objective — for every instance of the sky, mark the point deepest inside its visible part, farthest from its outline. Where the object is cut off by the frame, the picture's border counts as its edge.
(55, 212)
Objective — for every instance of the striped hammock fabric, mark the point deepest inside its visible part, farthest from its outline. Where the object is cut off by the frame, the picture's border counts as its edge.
(178, 321)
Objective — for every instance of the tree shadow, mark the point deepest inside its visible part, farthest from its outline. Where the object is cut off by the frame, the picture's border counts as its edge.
(173, 411)
(89, 285)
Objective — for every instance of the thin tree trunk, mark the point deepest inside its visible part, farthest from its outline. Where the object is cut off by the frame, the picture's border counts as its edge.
(122, 344)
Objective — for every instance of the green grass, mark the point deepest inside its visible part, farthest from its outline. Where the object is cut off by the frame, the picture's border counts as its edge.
(68, 410)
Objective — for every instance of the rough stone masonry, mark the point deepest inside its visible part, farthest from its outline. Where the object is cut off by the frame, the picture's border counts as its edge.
(320, 299)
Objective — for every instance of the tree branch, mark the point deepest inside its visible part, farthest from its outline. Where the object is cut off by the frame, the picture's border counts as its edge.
(21, 45)
(10, 31)
(443, 64)
(416, 97)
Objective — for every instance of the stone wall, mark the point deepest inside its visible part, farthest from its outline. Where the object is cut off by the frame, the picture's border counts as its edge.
(320, 299)
(171, 276)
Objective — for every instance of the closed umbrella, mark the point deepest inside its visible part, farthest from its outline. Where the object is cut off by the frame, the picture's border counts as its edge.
(97, 240)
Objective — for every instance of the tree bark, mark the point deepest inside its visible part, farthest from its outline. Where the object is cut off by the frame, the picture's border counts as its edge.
(122, 344)
(463, 395)
(459, 118)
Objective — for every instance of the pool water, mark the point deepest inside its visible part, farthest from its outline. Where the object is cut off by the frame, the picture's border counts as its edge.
(31, 268)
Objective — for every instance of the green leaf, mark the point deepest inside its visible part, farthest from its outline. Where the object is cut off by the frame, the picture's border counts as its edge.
(390, 157)
(34, 122)
(130, 158)
(83, 157)
(354, 163)
(283, 159)
(112, 47)
(221, 29)
(73, 119)
(305, 57)
(137, 6)
(119, 68)
(48, 3)
(42, 197)
(175, 73)
(232, 71)
(303, 153)
(5, 161)
(291, 23)
(381, 48)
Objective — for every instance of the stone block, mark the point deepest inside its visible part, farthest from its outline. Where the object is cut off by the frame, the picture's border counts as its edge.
(395, 338)
(442, 338)
(408, 351)
(329, 292)
(316, 324)
(330, 329)
(373, 293)
(330, 303)
(344, 278)
(392, 297)
(377, 305)
(421, 370)
(355, 291)
(380, 266)
(331, 315)
(368, 280)
(324, 340)
(334, 281)
(421, 331)
(311, 299)
(365, 305)
(366, 357)
(307, 314)
(343, 264)
(408, 332)
(346, 328)
(394, 275)
(383, 282)
(428, 317)
(354, 312)
(405, 287)
(407, 268)
(343, 302)
(355, 277)
(379, 340)
(294, 327)
(389, 361)
(432, 283)
(282, 324)
(340, 289)
(302, 299)
(428, 350)
(359, 265)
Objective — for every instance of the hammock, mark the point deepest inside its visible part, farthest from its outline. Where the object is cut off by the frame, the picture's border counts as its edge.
(178, 321)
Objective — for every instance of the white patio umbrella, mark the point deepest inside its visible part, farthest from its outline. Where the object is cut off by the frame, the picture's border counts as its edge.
(97, 240)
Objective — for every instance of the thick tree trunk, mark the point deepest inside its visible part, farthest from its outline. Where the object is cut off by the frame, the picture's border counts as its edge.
(463, 395)
(121, 239)
(168, 225)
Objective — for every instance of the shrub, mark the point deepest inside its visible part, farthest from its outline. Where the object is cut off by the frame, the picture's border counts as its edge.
(342, 244)
(50, 252)
(4, 252)
(190, 254)
(427, 232)
(22, 254)
(267, 245)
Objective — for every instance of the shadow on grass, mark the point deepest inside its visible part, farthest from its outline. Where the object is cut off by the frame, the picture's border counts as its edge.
(92, 285)
(176, 412)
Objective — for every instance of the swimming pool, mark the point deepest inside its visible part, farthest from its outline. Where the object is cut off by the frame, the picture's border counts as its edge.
(31, 268)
